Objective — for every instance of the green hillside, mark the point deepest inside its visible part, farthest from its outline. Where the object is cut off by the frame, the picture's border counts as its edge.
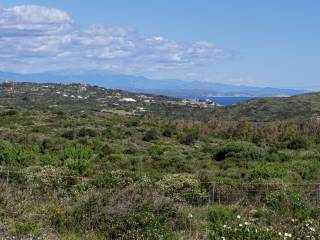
(275, 108)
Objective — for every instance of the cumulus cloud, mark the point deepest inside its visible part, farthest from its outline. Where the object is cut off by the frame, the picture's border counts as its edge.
(35, 38)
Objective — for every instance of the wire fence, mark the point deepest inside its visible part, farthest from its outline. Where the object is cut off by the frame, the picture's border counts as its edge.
(240, 193)
(257, 193)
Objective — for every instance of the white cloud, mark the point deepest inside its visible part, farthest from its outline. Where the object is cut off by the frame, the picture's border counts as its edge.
(34, 38)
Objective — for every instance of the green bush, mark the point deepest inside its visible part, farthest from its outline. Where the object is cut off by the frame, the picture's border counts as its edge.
(221, 215)
(289, 203)
(265, 172)
(150, 135)
(298, 143)
(48, 180)
(78, 158)
(169, 131)
(15, 154)
(10, 112)
(79, 166)
(183, 187)
(241, 150)
(84, 132)
(189, 138)
(25, 229)
(115, 179)
(105, 150)
(69, 134)
(46, 145)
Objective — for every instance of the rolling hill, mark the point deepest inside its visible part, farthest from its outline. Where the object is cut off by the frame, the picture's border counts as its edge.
(304, 106)
(77, 97)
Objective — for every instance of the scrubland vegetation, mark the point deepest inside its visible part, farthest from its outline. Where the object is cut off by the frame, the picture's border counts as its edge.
(95, 175)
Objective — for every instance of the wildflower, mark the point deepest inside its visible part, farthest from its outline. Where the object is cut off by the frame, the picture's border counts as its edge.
(246, 223)
(240, 225)
(224, 226)
(312, 229)
(223, 238)
(238, 216)
(190, 215)
(280, 234)
(288, 235)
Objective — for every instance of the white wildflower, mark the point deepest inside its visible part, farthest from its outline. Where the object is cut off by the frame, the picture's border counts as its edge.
(288, 235)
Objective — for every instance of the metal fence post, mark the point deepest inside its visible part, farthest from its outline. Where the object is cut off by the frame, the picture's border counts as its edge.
(7, 180)
(212, 194)
(318, 198)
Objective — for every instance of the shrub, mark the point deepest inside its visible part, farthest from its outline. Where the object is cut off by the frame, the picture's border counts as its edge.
(78, 165)
(189, 137)
(105, 150)
(14, 154)
(132, 123)
(48, 180)
(241, 150)
(84, 132)
(169, 131)
(77, 151)
(113, 179)
(25, 229)
(150, 135)
(156, 152)
(10, 112)
(46, 145)
(221, 215)
(131, 213)
(265, 172)
(57, 217)
(69, 134)
(288, 203)
(298, 143)
(182, 187)
(78, 158)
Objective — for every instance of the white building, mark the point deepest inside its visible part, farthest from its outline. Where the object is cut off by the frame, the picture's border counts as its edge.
(127, 100)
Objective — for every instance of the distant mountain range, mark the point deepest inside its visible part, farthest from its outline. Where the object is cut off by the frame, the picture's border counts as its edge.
(172, 88)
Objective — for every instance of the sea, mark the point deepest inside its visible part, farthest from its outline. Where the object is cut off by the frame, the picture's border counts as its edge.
(225, 101)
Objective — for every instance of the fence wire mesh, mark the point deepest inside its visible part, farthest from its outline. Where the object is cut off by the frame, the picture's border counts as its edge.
(238, 193)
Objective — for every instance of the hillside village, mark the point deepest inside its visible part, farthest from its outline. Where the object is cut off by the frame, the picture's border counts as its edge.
(88, 97)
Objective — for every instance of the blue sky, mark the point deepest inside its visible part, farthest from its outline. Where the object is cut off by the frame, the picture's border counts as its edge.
(261, 43)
